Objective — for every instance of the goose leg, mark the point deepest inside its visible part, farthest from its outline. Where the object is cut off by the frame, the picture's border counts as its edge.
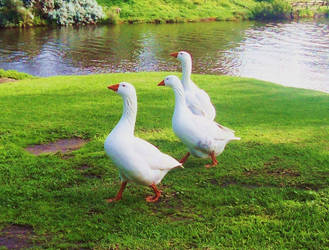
(156, 196)
(214, 160)
(183, 160)
(119, 194)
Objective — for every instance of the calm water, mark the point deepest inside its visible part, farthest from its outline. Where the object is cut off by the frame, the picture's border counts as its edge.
(293, 53)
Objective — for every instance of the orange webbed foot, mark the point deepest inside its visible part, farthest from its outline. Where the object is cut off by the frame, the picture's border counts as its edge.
(119, 194)
(214, 161)
(152, 198)
(112, 200)
(210, 165)
(157, 195)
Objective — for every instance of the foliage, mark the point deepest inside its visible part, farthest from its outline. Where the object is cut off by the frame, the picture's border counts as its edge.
(272, 9)
(179, 11)
(29, 3)
(14, 74)
(112, 15)
(325, 11)
(61, 12)
(270, 191)
(13, 13)
(67, 12)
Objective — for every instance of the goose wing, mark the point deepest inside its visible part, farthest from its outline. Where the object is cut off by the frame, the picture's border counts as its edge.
(198, 101)
(207, 134)
(153, 156)
(206, 104)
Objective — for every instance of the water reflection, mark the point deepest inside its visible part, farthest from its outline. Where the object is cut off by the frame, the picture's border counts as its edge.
(294, 54)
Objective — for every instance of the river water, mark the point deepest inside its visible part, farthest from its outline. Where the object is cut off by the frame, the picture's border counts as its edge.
(290, 53)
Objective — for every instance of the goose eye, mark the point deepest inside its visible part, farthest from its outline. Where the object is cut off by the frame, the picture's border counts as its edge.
(123, 85)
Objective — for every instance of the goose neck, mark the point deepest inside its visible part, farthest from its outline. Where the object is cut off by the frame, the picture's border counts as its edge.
(179, 99)
(128, 118)
(187, 70)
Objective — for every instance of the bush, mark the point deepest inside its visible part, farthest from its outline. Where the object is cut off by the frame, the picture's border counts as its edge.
(13, 13)
(14, 74)
(326, 12)
(62, 12)
(272, 9)
(28, 3)
(42, 7)
(112, 15)
(65, 12)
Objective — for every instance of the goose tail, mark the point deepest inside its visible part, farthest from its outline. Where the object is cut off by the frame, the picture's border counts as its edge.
(178, 166)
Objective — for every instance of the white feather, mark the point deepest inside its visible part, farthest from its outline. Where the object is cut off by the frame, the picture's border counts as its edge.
(201, 135)
(136, 159)
(197, 100)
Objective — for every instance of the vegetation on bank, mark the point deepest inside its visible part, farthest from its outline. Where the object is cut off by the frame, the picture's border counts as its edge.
(13, 74)
(270, 190)
(309, 9)
(178, 11)
(41, 12)
(68, 12)
(272, 9)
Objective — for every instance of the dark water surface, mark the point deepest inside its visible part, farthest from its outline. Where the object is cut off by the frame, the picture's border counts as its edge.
(292, 53)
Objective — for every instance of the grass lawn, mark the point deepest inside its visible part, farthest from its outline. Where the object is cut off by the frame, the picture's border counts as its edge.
(270, 190)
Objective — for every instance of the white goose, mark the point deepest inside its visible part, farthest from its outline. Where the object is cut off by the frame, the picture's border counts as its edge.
(197, 100)
(136, 159)
(203, 137)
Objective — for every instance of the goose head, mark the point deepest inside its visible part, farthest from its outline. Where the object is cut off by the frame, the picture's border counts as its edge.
(124, 89)
(172, 82)
(182, 56)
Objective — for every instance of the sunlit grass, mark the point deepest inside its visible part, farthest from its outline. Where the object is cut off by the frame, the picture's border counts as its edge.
(270, 190)
(13, 74)
(177, 11)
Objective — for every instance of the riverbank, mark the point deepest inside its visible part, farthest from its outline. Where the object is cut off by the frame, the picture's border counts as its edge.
(38, 13)
(148, 11)
(14, 75)
(270, 190)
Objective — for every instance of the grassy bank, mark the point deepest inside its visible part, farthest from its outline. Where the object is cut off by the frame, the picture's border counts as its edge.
(178, 11)
(13, 74)
(271, 189)
(24, 13)
(158, 11)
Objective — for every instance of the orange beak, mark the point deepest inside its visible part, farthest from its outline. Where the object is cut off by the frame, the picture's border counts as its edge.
(161, 83)
(175, 54)
(114, 87)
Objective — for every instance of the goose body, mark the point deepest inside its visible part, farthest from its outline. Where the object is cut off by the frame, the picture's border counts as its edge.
(197, 100)
(137, 160)
(203, 137)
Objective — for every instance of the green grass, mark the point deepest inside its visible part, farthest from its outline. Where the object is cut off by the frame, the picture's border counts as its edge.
(160, 11)
(309, 11)
(270, 191)
(180, 11)
(13, 74)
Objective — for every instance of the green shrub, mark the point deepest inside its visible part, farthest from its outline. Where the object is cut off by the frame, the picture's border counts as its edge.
(67, 12)
(112, 15)
(13, 13)
(14, 74)
(326, 12)
(272, 9)
(28, 3)
(39, 21)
